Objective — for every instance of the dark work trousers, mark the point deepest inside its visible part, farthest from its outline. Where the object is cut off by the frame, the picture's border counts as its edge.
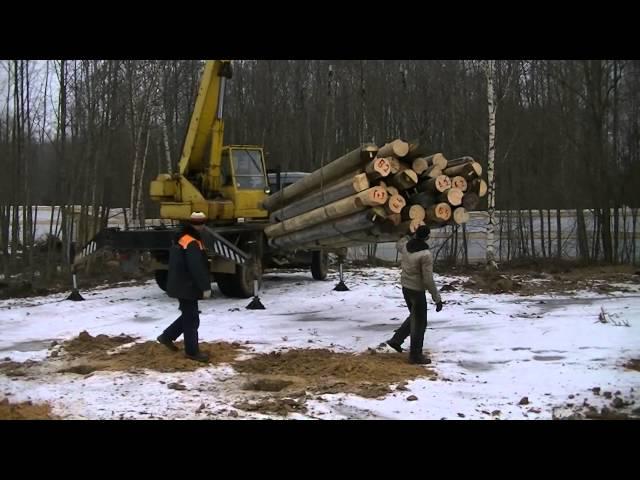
(186, 324)
(416, 323)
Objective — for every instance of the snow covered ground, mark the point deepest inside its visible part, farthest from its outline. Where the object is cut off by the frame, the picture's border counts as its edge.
(489, 351)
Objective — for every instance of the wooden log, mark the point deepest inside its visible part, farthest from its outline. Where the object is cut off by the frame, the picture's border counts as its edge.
(391, 190)
(424, 199)
(431, 172)
(468, 170)
(357, 221)
(434, 185)
(394, 218)
(460, 161)
(470, 201)
(397, 165)
(377, 168)
(453, 196)
(322, 197)
(396, 148)
(411, 212)
(404, 180)
(368, 198)
(330, 172)
(420, 164)
(413, 226)
(460, 215)
(395, 204)
(439, 213)
(478, 186)
(459, 182)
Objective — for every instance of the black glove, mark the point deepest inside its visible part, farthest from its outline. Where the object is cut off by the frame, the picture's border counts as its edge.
(438, 306)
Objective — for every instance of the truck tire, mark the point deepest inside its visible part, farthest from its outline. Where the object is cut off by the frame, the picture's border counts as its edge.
(161, 279)
(319, 264)
(239, 284)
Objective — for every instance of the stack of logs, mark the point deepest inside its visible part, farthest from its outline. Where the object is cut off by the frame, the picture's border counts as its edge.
(374, 195)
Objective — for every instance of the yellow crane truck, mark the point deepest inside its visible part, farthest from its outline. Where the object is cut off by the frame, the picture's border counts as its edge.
(227, 183)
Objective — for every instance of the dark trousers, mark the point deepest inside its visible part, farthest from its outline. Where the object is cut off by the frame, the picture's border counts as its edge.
(416, 323)
(186, 324)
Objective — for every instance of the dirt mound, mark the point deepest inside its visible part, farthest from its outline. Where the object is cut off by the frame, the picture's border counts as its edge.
(323, 371)
(86, 354)
(85, 344)
(492, 282)
(633, 364)
(25, 411)
(146, 355)
(601, 279)
(271, 406)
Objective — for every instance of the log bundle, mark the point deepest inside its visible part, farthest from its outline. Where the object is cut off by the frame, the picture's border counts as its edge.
(374, 194)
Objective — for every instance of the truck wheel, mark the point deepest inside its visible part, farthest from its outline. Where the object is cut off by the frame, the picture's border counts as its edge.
(239, 284)
(319, 264)
(161, 279)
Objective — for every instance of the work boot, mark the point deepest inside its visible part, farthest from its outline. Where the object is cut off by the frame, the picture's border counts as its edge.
(167, 343)
(199, 357)
(395, 345)
(419, 359)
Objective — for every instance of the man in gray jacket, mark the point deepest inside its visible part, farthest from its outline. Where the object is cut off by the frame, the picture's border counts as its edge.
(416, 277)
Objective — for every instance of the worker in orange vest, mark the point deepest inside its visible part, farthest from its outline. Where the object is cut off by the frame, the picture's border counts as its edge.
(188, 281)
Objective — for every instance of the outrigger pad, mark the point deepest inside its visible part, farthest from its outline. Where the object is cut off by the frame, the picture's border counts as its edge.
(255, 304)
(75, 296)
(341, 287)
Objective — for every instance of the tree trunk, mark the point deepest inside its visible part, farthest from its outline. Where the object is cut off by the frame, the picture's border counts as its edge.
(372, 197)
(332, 171)
(491, 256)
(337, 192)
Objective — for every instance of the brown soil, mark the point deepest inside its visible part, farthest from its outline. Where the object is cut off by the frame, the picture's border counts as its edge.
(25, 411)
(323, 371)
(633, 364)
(561, 280)
(86, 354)
(273, 406)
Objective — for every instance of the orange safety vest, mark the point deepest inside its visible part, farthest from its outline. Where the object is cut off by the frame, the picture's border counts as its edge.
(187, 239)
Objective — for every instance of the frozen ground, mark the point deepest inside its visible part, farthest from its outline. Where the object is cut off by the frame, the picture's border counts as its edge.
(488, 350)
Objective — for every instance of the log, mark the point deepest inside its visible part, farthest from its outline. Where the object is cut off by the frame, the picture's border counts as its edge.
(322, 197)
(460, 161)
(424, 199)
(470, 201)
(357, 221)
(396, 148)
(431, 172)
(468, 170)
(371, 197)
(434, 185)
(404, 180)
(478, 186)
(460, 215)
(330, 172)
(460, 183)
(420, 164)
(391, 190)
(397, 165)
(439, 213)
(378, 168)
(413, 226)
(413, 212)
(395, 204)
(453, 196)
(395, 218)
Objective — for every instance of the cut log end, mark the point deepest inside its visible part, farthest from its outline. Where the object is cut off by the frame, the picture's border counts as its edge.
(440, 212)
(396, 203)
(459, 182)
(460, 215)
(453, 196)
(397, 148)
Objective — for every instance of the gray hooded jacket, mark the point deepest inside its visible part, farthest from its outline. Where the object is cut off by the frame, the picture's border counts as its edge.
(417, 269)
